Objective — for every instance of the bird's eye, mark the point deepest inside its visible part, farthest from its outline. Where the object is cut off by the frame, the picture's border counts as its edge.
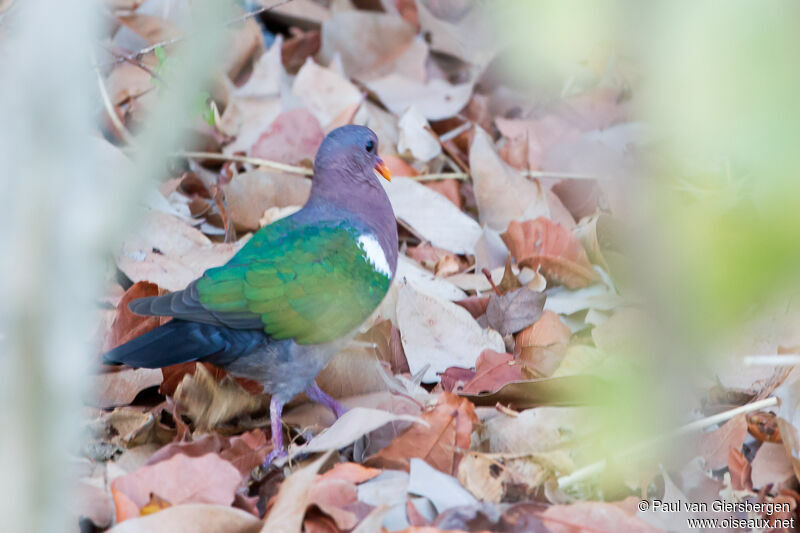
(370, 146)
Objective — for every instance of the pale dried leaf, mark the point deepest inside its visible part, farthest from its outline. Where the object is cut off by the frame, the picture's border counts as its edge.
(440, 333)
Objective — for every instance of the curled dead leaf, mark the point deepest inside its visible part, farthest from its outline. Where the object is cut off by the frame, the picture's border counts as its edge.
(551, 248)
(543, 344)
(209, 403)
(448, 430)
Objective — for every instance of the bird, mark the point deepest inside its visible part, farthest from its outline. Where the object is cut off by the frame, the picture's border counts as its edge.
(297, 291)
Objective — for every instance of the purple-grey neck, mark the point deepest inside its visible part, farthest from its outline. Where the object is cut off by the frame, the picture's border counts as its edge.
(343, 191)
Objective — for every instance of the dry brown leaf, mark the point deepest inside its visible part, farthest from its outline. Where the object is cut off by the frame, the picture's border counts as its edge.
(502, 194)
(764, 427)
(492, 371)
(435, 99)
(368, 42)
(293, 137)
(593, 517)
(449, 428)
(440, 333)
(292, 500)
(562, 390)
(449, 188)
(772, 466)
(324, 91)
(168, 252)
(250, 193)
(459, 28)
(515, 310)
(542, 345)
(180, 479)
(541, 244)
(740, 470)
(209, 403)
(476, 305)
(355, 370)
(127, 325)
(433, 216)
(113, 389)
(335, 493)
(192, 517)
(299, 47)
(715, 446)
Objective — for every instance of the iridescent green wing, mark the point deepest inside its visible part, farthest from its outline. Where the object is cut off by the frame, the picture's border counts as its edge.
(310, 283)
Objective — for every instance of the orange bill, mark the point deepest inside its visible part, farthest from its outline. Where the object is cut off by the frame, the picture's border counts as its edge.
(383, 170)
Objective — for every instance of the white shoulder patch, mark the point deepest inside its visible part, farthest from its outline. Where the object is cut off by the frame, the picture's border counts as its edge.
(375, 254)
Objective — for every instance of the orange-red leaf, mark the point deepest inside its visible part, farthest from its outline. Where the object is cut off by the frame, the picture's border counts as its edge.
(554, 250)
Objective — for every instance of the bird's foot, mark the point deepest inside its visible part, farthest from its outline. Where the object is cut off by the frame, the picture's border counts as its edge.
(318, 395)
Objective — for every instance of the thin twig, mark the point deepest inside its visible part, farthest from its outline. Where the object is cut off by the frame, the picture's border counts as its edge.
(440, 176)
(697, 425)
(557, 174)
(244, 159)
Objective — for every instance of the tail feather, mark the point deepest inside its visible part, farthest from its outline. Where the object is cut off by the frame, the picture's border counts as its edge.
(180, 341)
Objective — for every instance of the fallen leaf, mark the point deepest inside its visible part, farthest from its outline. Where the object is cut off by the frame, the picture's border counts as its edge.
(435, 99)
(764, 427)
(336, 494)
(476, 305)
(292, 500)
(367, 42)
(127, 325)
(554, 391)
(424, 281)
(542, 345)
(542, 244)
(448, 430)
(492, 371)
(250, 193)
(355, 370)
(502, 194)
(351, 426)
(209, 403)
(772, 466)
(252, 107)
(449, 188)
(564, 301)
(293, 137)
(454, 378)
(740, 470)
(461, 32)
(594, 517)
(416, 136)
(443, 490)
(439, 333)
(299, 47)
(192, 517)
(166, 251)
(180, 479)
(324, 91)
(715, 446)
(433, 216)
(514, 310)
(112, 389)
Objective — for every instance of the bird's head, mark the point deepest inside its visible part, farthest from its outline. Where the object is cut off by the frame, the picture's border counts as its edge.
(350, 152)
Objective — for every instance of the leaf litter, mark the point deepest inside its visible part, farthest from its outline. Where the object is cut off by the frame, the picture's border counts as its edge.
(470, 397)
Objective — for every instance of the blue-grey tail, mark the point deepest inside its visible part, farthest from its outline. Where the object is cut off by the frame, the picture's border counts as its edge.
(180, 341)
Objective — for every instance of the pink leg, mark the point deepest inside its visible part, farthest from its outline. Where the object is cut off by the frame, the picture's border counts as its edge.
(275, 410)
(318, 395)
